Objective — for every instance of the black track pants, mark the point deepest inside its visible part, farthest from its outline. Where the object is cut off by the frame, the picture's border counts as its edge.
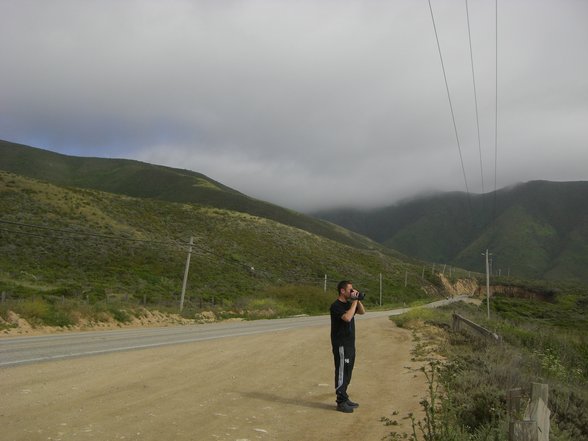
(344, 360)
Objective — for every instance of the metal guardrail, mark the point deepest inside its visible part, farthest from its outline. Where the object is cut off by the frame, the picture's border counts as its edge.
(458, 320)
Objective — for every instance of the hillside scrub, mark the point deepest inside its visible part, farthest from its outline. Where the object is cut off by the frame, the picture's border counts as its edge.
(535, 230)
(154, 182)
(467, 399)
(91, 247)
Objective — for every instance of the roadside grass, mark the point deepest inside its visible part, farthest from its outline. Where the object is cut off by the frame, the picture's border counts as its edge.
(468, 377)
(57, 309)
(96, 300)
(64, 313)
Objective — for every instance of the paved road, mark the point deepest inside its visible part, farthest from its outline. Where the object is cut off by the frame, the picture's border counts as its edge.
(26, 350)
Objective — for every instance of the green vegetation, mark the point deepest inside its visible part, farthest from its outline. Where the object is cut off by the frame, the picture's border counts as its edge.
(47, 311)
(534, 230)
(142, 180)
(544, 342)
(66, 247)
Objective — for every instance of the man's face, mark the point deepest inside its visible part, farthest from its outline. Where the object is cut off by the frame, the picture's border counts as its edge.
(348, 290)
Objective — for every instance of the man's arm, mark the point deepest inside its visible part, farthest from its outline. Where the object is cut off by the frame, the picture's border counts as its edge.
(356, 307)
(360, 309)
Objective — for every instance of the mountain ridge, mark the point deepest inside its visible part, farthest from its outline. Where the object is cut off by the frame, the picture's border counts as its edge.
(537, 229)
(144, 180)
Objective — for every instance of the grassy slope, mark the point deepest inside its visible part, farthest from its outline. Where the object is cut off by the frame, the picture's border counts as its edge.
(228, 245)
(138, 179)
(538, 229)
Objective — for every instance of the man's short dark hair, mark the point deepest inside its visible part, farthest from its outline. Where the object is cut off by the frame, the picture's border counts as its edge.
(342, 285)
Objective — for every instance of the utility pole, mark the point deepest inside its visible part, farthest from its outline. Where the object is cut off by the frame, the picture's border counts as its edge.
(487, 284)
(380, 289)
(405, 278)
(186, 273)
(325, 289)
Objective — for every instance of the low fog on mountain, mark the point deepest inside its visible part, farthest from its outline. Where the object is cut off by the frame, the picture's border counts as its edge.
(309, 105)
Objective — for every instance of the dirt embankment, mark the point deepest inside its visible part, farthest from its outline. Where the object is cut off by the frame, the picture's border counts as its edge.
(460, 287)
(472, 288)
(16, 325)
(520, 292)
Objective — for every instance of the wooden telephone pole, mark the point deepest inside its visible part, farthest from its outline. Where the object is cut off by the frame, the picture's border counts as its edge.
(487, 284)
(186, 273)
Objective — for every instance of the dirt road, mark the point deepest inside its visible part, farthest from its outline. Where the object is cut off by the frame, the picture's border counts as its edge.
(275, 386)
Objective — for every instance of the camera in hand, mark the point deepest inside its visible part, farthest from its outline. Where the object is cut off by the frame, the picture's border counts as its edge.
(357, 295)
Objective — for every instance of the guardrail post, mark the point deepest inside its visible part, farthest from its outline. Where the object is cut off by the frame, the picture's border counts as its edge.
(514, 402)
(535, 423)
(455, 323)
(540, 390)
(522, 431)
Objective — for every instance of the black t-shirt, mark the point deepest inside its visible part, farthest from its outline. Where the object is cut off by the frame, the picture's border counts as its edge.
(342, 332)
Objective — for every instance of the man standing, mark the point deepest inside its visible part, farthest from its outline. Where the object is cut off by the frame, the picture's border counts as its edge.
(343, 311)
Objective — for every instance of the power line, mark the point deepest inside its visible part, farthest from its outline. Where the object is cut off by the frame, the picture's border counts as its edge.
(80, 233)
(450, 106)
(496, 105)
(73, 233)
(475, 94)
(22, 232)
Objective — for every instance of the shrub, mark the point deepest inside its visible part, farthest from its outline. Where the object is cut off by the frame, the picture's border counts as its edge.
(39, 312)
(413, 317)
(120, 315)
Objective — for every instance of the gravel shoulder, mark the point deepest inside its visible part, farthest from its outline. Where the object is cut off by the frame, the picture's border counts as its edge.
(276, 386)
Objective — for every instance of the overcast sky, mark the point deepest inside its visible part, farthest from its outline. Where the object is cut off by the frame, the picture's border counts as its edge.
(308, 104)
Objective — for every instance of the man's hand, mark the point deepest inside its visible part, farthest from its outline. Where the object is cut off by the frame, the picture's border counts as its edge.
(356, 295)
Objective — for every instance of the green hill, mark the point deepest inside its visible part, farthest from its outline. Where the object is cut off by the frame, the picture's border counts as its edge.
(64, 242)
(534, 230)
(142, 180)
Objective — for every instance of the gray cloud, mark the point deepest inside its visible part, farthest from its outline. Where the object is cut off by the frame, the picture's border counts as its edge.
(305, 104)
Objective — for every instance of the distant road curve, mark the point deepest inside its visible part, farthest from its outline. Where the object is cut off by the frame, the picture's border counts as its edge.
(17, 351)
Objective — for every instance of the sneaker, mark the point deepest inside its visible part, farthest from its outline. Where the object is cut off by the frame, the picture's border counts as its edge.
(352, 404)
(344, 407)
